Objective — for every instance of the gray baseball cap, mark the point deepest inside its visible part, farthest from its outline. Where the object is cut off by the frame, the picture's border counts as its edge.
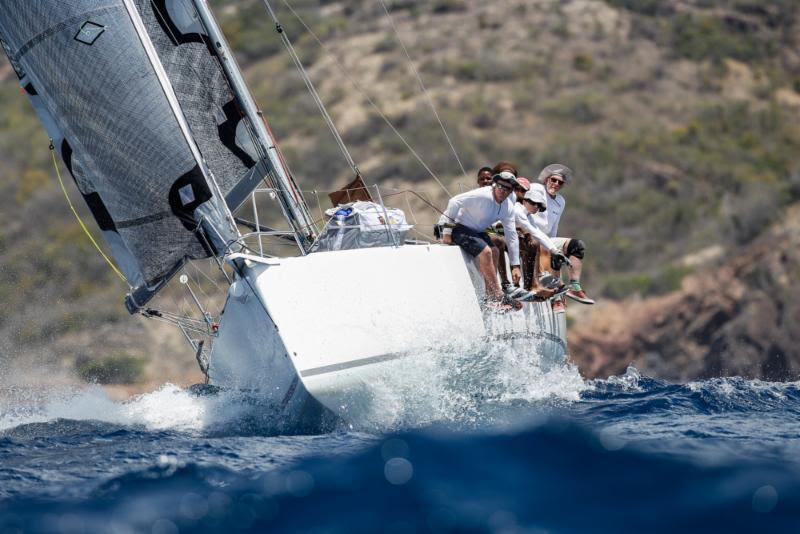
(507, 177)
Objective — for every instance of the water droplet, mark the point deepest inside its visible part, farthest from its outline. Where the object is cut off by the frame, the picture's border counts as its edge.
(193, 506)
(611, 441)
(398, 471)
(764, 499)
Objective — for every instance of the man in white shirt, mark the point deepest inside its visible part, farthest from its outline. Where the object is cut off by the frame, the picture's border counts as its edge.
(466, 218)
(552, 179)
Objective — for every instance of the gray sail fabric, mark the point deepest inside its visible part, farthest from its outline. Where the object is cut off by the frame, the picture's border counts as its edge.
(98, 95)
(219, 127)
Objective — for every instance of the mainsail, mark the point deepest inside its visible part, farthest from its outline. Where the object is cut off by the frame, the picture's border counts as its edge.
(151, 118)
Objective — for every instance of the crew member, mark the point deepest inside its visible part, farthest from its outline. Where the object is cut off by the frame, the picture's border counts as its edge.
(464, 223)
(485, 176)
(495, 234)
(551, 180)
(534, 202)
(498, 239)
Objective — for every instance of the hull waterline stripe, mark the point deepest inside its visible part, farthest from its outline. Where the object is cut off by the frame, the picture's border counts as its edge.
(351, 364)
(325, 369)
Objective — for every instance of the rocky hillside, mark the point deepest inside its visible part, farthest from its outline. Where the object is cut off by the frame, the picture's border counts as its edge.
(738, 317)
(680, 118)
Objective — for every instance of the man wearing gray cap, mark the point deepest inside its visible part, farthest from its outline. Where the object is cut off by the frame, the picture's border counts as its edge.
(464, 223)
(552, 180)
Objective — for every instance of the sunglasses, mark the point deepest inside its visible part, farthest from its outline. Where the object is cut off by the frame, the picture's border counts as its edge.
(557, 181)
(502, 187)
(538, 205)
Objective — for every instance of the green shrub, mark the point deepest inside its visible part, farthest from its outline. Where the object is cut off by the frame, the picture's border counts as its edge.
(669, 279)
(703, 37)
(490, 68)
(621, 285)
(117, 369)
(387, 44)
(644, 7)
(449, 6)
(580, 108)
(467, 70)
(583, 62)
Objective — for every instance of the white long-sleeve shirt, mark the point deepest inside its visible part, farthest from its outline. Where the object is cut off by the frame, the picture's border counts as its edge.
(527, 222)
(477, 210)
(549, 219)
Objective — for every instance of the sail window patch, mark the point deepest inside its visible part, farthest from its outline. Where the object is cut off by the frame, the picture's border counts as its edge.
(187, 194)
(190, 187)
(89, 33)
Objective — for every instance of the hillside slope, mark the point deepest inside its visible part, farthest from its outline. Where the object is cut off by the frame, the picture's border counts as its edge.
(680, 118)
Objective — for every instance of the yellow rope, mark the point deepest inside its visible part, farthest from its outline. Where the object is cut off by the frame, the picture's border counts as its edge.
(80, 221)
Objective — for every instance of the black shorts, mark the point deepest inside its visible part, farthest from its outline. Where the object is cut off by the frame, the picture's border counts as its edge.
(471, 241)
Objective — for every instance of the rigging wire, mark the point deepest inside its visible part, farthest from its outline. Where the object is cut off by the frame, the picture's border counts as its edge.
(311, 89)
(205, 275)
(80, 221)
(189, 323)
(362, 92)
(423, 88)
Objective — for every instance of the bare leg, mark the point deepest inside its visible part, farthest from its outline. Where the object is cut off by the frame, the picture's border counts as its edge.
(499, 242)
(489, 271)
(527, 255)
(576, 265)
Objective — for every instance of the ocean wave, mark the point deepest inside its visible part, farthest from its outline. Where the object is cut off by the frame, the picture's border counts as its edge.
(463, 386)
(555, 475)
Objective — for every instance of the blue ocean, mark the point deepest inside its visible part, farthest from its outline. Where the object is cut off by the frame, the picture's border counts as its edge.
(522, 450)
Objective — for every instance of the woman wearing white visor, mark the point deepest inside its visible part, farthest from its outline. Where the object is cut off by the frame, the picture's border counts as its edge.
(532, 203)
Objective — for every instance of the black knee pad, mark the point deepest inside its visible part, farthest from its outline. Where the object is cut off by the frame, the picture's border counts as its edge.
(576, 248)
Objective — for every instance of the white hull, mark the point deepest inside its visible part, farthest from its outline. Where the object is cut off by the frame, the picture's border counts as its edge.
(338, 328)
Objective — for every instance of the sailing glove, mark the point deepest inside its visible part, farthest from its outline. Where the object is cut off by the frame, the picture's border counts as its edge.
(558, 260)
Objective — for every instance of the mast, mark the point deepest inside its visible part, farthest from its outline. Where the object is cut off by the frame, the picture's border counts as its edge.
(292, 202)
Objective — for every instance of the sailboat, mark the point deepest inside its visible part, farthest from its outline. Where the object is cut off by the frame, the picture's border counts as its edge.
(149, 112)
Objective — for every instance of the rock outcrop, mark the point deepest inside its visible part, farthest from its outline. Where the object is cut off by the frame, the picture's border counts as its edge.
(735, 318)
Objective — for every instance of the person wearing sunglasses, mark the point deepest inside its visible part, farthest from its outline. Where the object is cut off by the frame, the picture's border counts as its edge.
(496, 230)
(464, 223)
(531, 236)
(552, 180)
(498, 238)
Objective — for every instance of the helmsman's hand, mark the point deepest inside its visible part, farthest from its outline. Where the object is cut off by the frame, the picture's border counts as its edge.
(515, 274)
